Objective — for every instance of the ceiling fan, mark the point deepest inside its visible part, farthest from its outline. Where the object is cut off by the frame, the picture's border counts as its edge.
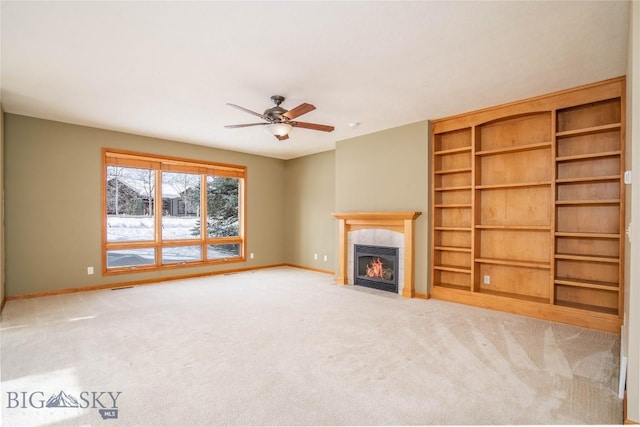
(281, 121)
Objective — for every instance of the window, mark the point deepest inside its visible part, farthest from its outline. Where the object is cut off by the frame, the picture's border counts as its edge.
(168, 212)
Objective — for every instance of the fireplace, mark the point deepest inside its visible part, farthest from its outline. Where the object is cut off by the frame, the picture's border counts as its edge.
(402, 222)
(376, 267)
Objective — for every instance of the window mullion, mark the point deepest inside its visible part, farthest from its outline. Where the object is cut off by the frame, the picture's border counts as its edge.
(158, 216)
(203, 214)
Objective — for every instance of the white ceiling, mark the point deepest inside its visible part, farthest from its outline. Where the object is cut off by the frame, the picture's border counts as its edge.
(167, 69)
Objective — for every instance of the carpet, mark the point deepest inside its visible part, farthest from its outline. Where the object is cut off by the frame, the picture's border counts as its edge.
(286, 346)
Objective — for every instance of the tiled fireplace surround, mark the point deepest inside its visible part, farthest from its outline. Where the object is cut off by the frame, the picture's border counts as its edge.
(394, 229)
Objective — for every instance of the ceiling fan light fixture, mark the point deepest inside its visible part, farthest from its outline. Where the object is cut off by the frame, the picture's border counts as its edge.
(278, 129)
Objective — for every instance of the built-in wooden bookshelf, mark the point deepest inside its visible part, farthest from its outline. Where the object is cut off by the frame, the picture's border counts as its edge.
(528, 206)
(452, 213)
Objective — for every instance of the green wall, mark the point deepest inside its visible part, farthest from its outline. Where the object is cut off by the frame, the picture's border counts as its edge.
(53, 207)
(388, 171)
(310, 227)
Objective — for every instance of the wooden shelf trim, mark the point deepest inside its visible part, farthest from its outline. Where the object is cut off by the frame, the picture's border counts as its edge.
(452, 205)
(453, 268)
(452, 228)
(457, 188)
(515, 263)
(588, 202)
(514, 149)
(453, 151)
(589, 156)
(589, 258)
(546, 228)
(590, 284)
(452, 249)
(451, 171)
(587, 235)
(589, 130)
(515, 185)
(586, 179)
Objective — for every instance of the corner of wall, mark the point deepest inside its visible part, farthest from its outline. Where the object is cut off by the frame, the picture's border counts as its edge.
(631, 328)
(2, 265)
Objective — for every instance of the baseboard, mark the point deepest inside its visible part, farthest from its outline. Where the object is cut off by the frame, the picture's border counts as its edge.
(304, 267)
(134, 283)
(422, 296)
(555, 313)
(624, 411)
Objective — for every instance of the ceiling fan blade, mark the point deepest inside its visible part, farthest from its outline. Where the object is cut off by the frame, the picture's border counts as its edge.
(299, 110)
(314, 126)
(281, 138)
(245, 125)
(246, 111)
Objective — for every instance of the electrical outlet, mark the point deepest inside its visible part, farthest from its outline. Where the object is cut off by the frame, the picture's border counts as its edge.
(487, 279)
(315, 256)
(89, 270)
(251, 255)
(325, 257)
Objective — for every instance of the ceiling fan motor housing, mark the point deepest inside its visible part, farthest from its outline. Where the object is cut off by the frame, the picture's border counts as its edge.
(275, 113)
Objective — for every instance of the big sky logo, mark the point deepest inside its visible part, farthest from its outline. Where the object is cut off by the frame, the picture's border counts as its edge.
(106, 402)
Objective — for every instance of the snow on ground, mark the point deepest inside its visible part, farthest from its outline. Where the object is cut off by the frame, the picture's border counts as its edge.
(141, 228)
(136, 228)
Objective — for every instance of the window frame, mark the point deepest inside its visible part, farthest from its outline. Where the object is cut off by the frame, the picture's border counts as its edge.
(115, 157)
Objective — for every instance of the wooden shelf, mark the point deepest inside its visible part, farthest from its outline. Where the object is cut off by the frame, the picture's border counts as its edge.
(514, 149)
(589, 130)
(452, 205)
(452, 249)
(452, 228)
(587, 307)
(452, 171)
(453, 268)
(588, 202)
(515, 263)
(452, 286)
(513, 185)
(514, 296)
(587, 235)
(453, 151)
(457, 188)
(588, 179)
(515, 227)
(589, 258)
(605, 286)
(588, 156)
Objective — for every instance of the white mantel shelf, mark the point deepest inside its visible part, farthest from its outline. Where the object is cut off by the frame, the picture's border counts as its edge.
(403, 222)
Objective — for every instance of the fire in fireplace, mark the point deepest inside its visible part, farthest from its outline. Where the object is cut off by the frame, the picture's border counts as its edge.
(376, 267)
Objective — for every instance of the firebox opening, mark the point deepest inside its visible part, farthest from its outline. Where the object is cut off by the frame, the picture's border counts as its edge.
(376, 267)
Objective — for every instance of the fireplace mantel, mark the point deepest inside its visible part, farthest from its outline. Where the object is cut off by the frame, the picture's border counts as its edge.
(402, 222)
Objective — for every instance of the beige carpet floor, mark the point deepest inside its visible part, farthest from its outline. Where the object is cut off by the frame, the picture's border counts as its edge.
(285, 346)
